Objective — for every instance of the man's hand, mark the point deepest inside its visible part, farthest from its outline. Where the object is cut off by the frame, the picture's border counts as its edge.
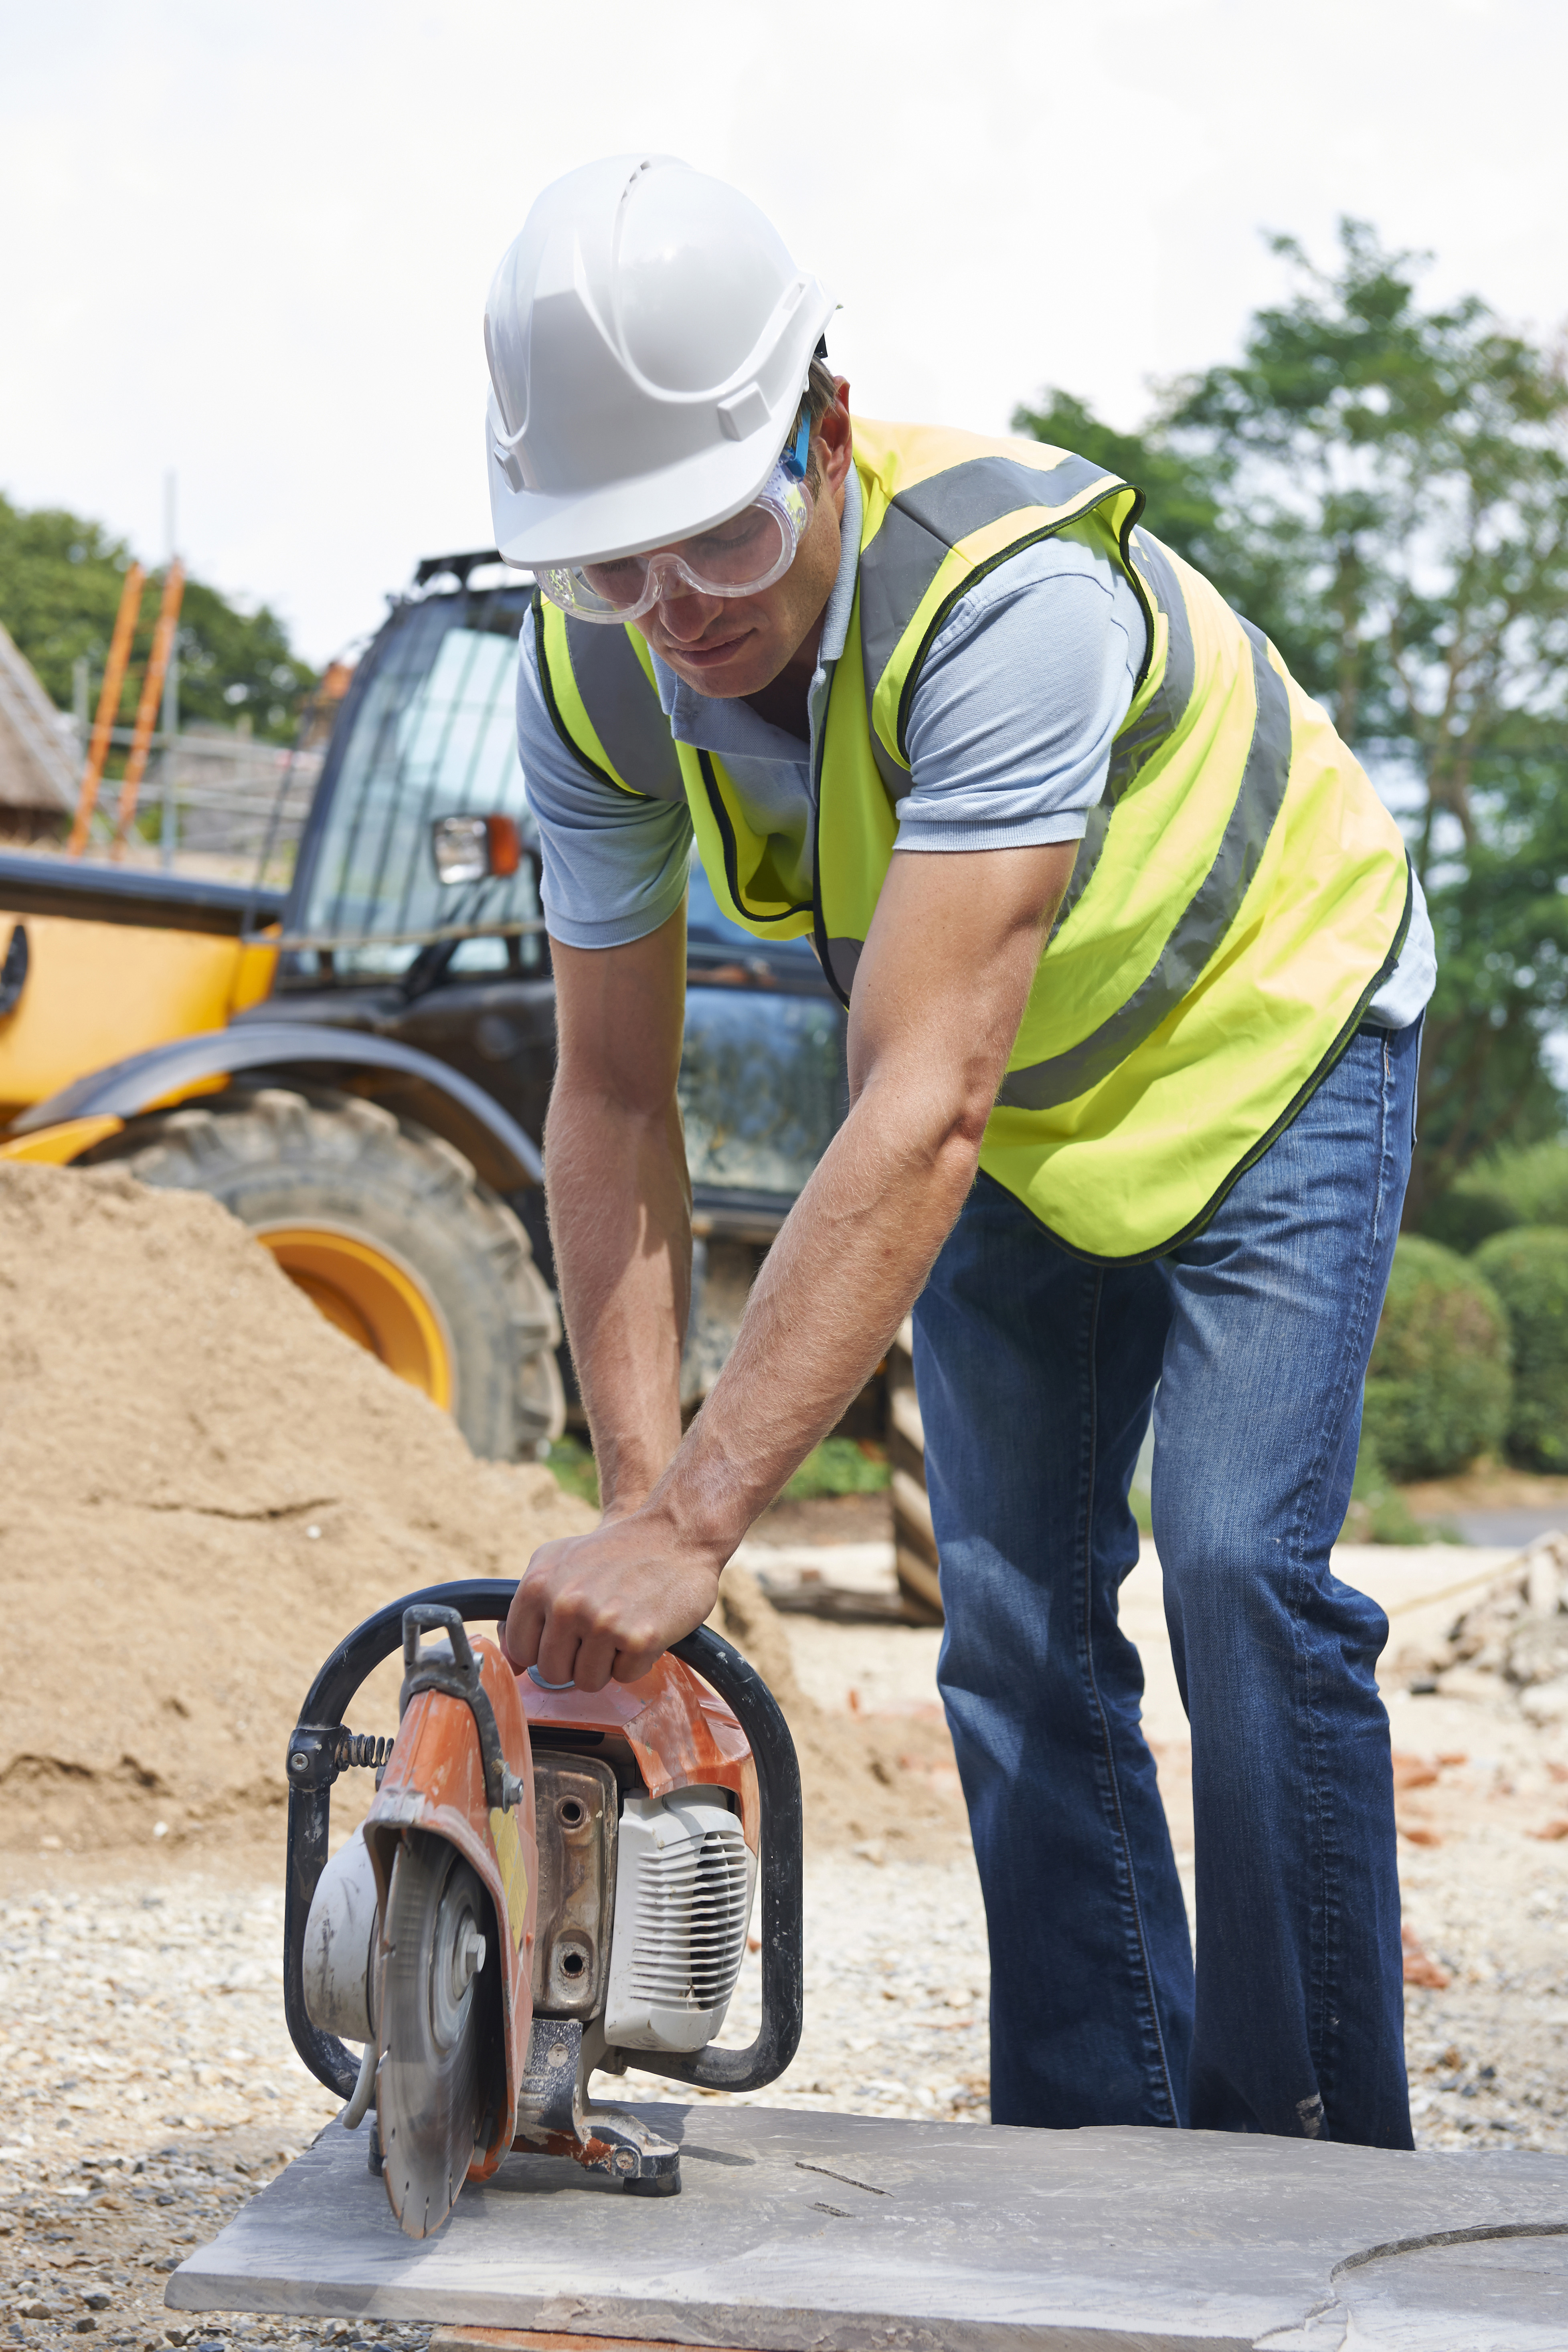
(602, 1607)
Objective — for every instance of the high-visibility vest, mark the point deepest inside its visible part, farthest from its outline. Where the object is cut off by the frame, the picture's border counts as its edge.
(1239, 897)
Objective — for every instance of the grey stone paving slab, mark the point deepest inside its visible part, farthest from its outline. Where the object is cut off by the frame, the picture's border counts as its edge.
(806, 2232)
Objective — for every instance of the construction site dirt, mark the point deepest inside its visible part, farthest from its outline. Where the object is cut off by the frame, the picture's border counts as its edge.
(203, 1485)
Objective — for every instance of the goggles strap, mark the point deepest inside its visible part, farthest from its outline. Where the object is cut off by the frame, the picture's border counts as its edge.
(793, 459)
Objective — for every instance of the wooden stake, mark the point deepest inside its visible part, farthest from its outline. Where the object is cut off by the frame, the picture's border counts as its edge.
(108, 704)
(147, 708)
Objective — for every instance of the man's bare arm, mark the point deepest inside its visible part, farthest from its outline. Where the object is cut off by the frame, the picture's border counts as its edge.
(940, 992)
(620, 1203)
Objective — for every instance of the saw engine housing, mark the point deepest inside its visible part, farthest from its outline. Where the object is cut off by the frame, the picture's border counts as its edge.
(548, 1883)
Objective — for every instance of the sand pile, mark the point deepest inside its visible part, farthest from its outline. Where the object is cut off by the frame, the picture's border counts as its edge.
(203, 1485)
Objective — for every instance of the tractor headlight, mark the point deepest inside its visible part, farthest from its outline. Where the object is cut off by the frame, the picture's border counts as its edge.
(471, 848)
(462, 848)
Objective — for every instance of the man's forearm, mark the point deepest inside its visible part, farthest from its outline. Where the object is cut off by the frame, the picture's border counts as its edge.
(620, 1220)
(926, 1058)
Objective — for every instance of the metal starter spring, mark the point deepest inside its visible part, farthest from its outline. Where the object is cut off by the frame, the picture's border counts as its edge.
(360, 1747)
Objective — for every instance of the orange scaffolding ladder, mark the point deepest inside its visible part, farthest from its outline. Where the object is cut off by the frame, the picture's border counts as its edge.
(147, 708)
(108, 704)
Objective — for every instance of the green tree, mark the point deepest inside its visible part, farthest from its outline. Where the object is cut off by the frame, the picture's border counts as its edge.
(1383, 487)
(1184, 488)
(60, 578)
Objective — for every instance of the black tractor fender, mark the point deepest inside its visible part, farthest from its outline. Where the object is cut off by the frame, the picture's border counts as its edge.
(501, 1154)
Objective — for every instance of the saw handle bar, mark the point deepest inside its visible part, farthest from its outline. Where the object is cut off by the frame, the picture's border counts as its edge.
(317, 1741)
(459, 1677)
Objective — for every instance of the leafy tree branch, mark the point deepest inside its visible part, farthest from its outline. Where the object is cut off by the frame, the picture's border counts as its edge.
(1383, 487)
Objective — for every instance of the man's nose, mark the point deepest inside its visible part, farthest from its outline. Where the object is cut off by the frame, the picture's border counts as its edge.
(686, 613)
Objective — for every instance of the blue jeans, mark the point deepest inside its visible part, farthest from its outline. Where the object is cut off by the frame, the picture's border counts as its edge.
(1036, 1374)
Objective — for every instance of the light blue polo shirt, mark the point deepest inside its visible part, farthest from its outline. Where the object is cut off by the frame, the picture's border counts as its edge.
(1010, 732)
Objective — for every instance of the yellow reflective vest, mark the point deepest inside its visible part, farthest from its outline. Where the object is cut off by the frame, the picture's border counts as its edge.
(1239, 899)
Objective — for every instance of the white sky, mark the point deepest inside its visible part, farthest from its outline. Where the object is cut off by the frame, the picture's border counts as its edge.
(251, 242)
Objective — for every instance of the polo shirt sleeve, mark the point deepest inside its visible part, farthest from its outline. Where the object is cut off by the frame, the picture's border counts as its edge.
(1019, 701)
(615, 864)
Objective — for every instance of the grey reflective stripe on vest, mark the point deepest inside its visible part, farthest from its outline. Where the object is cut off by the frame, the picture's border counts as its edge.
(843, 956)
(1202, 923)
(1156, 723)
(622, 703)
(923, 524)
(897, 782)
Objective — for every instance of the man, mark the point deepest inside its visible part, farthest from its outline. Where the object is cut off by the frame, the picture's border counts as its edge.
(1134, 967)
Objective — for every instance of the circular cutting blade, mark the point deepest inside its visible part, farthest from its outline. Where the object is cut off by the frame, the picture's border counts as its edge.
(430, 2096)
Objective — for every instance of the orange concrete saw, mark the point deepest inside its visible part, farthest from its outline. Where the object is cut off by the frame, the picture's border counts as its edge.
(550, 1883)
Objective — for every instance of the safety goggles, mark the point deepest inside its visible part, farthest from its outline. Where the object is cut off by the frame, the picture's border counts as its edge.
(737, 558)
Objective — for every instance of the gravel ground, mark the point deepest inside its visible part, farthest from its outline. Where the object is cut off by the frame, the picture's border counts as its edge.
(152, 2088)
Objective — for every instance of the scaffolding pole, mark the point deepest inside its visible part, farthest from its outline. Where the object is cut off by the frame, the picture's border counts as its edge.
(108, 704)
(147, 708)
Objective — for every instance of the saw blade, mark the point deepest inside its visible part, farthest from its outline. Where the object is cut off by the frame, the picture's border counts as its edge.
(430, 2096)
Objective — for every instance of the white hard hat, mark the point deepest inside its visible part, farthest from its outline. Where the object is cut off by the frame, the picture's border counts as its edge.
(648, 338)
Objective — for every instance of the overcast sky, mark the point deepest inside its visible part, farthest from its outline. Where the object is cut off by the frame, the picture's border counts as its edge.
(251, 243)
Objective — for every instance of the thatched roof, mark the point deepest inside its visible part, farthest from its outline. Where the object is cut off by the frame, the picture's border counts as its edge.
(37, 773)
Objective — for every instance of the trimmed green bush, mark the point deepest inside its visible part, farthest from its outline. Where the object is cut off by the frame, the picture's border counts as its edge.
(1469, 1215)
(1536, 1184)
(1378, 1511)
(575, 1468)
(839, 1465)
(1516, 1188)
(1528, 1269)
(1437, 1387)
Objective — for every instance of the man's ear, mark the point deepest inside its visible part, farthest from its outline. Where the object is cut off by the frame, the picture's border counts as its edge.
(836, 440)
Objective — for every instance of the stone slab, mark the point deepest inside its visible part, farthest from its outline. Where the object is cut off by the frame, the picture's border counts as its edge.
(806, 2232)
(463, 2338)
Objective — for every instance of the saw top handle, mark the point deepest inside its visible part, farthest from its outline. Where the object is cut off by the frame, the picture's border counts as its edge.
(313, 1748)
(436, 1617)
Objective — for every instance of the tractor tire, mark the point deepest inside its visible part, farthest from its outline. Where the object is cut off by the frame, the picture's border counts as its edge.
(388, 1230)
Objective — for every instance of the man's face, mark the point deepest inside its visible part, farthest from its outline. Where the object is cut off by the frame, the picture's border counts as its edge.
(732, 645)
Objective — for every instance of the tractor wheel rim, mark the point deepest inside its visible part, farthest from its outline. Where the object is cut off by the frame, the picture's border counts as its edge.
(372, 1296)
